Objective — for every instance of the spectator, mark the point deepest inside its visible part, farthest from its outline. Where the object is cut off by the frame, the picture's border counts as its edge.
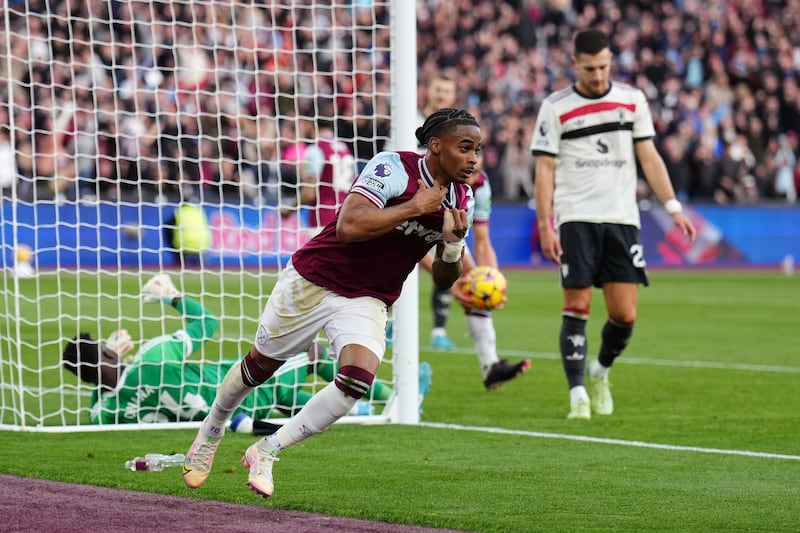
(327, 171)
(783, 164)
(191, 69)
(516, 166)
(8, 164)
(677, 160)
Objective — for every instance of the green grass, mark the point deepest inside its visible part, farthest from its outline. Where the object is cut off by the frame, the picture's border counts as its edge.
(712, 367)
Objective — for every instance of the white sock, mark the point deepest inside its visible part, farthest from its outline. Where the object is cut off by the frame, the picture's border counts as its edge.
(323, 409)
(438, 332)
(578, 393)
(481, 330)
(599, 371)
(232, 391)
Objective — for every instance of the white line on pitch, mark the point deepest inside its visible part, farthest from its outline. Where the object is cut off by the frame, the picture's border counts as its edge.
(617, 442)
(652, 362)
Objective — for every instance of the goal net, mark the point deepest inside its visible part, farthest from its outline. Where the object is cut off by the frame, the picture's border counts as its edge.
(180, 137)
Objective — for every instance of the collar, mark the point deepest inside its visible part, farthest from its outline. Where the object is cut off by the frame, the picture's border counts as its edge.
(429, 181)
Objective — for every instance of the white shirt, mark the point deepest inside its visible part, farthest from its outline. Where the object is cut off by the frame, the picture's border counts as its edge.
(592, 140)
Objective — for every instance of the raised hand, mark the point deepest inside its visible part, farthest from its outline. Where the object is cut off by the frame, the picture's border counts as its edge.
(429, 199)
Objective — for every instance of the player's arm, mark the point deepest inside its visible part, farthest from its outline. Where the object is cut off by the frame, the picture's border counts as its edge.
(545, 187)
(655, 171)
(482, 248)
(360, 219)
(445, 273)
(447, 264)
(201, 323)
(427, 262)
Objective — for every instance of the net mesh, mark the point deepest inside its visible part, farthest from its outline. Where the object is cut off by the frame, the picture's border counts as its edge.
(150, 136)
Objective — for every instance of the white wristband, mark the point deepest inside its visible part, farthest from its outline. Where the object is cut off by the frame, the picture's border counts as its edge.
(673, 206)
(452, 251)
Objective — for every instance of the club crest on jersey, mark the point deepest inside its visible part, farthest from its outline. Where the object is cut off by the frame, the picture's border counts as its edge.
(543, 129)
(383, 170)
(262, 335)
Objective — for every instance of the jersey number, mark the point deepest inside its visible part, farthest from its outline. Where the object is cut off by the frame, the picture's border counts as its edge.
(637, 256)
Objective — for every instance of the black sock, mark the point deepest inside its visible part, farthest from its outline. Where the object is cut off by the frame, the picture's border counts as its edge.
(441, 307)
(615, 338)
(572, 340)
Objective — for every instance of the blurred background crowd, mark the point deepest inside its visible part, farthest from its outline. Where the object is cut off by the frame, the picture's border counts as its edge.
(206, 100)
(721, 77)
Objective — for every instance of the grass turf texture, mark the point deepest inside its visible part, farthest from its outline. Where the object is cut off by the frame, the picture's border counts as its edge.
(712, 364)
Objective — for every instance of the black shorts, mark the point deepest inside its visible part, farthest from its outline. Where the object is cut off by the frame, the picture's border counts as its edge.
(595, 254)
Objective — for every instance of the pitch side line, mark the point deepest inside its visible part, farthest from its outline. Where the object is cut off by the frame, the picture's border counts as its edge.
(616, 442)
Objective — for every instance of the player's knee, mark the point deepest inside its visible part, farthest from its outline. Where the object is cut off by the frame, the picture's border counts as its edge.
(353, 381)
(256, 369)
(624, 319)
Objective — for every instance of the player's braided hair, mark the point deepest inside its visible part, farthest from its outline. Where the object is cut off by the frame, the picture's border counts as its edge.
(443, 121)
(82, 357)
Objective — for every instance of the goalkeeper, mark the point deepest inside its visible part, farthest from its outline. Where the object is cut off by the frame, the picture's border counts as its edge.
(157, 384)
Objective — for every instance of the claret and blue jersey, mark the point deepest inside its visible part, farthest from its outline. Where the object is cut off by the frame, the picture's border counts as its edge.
(380, 266)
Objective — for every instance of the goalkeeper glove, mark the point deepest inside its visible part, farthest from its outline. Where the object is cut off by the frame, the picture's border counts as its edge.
(121, 343)
(159, 289)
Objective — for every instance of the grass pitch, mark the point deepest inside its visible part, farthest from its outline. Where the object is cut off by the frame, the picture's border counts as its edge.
(704, 437)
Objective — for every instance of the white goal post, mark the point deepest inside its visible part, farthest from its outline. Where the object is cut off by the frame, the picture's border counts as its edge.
(140, 137)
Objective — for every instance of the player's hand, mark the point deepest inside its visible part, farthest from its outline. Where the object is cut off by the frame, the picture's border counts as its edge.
(429, 199)
(685, 226)
(551, 245)
(454, 227)
(158, 289)
(120, 342)
(457, 290)
(454, 230)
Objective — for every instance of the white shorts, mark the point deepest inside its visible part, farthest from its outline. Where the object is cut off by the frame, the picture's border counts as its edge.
(297, 310)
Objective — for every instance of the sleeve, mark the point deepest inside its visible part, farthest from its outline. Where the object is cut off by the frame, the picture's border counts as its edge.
(201, 324)
(483, 202)
(384, 177)
(469, 207)
(643, 127)
(546, 135)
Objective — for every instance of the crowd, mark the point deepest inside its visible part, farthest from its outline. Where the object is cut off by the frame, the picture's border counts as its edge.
(174, 100)
(204, 99)
(720, 76)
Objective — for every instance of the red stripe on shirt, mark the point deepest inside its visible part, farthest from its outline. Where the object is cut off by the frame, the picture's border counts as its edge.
(595, 108)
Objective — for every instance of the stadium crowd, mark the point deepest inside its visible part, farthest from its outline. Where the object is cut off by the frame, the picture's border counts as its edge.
(721, 77)
(176, 100)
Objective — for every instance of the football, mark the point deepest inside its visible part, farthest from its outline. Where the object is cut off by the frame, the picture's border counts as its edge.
(23, 254)
(486, 287)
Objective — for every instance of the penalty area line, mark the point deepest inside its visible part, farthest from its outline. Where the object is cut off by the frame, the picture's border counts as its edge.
(616, 442)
